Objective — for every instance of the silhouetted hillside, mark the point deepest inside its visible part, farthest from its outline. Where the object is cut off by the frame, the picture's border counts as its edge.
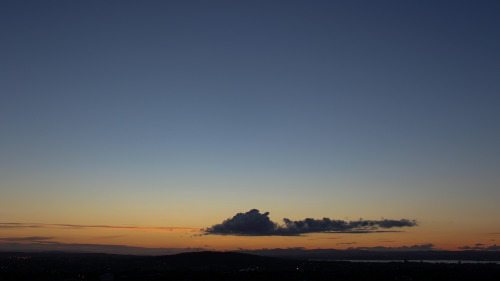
(223, 266)
(330, 254)
(222, 261)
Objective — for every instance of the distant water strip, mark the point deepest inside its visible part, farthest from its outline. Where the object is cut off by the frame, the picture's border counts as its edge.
(423, 261)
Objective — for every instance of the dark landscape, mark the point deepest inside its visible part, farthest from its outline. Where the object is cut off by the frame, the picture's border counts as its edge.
(241, 266)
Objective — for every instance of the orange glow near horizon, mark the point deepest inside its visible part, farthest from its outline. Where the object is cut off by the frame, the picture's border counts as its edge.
(183, 237)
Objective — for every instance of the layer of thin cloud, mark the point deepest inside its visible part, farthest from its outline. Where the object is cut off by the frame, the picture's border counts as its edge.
(80, 226)
(347, 243)
(421, 247)
(42, 246)
(18, 225)
(128, 227)
(481, 247)
(253, 223)
(25, 239)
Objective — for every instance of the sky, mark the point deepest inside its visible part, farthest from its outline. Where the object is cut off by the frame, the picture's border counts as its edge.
(152, 124)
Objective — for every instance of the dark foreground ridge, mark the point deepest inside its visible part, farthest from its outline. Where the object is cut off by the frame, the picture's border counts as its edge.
(331, 254)
(224, 266)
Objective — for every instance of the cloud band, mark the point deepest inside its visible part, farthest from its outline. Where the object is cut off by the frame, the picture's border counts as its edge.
(253, 223)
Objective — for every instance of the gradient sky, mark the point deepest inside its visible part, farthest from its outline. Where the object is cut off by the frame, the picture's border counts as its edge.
(152, 114)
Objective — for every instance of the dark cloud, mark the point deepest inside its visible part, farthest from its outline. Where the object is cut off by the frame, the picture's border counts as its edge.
(493, 248)
(481, 247)
(249, 223)
(422, 247)
(253, 223)
(25, 239)
(328, 225)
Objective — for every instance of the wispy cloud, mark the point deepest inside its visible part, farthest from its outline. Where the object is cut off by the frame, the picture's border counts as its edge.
(25, 239)
(421, 247)
(75, 226)
(253, 223)
(82, 226)
(347, 243)
(41, 246)
(108, 236)
(18, 225)
(481, 247)
(322, 238)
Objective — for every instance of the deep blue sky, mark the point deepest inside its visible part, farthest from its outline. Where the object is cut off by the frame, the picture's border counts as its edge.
(395, 100)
